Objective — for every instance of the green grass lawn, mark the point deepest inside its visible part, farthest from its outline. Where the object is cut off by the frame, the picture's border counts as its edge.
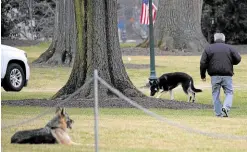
(130, 130)
(126, 130)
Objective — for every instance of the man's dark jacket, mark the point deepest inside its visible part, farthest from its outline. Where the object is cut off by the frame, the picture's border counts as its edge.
(218, 60)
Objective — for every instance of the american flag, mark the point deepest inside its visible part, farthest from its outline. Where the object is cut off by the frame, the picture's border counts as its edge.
(144, 17)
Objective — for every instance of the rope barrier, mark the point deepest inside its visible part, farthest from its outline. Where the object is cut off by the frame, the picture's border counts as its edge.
(133, 103)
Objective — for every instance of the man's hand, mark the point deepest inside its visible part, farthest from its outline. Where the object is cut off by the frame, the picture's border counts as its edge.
(204, 79)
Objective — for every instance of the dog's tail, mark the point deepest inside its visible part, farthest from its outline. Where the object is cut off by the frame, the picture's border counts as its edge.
(193, 87)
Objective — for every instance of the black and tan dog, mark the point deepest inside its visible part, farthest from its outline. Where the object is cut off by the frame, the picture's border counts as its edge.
(54, 132)
(169, 81)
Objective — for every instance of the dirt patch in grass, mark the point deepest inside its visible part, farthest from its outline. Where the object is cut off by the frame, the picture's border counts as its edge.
(242, 49)
(146, 102)
(138, 66)
(158, 52)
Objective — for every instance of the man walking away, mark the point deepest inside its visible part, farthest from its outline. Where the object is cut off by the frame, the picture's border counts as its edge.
(218, 60)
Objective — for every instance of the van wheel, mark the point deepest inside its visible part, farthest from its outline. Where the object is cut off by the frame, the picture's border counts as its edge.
(14, 78)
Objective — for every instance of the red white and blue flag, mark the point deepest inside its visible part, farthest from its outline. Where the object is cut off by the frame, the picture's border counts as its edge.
(144, 17)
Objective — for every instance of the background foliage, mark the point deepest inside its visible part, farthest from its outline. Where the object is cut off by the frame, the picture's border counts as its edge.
(228, 16)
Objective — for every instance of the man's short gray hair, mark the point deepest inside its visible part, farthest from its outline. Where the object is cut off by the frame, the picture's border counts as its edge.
(219, 36)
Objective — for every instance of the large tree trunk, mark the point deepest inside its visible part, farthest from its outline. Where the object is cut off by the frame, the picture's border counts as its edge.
(97, 48)
(178, 25)
(62, 48)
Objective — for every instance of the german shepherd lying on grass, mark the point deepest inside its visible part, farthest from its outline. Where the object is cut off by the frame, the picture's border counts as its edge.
(169, 81)
(55, 131)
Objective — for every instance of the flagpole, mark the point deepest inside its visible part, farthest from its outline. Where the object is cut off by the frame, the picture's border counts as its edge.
(152, 78)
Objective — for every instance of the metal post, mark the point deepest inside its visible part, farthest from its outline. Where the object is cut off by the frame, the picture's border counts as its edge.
(96, 112)
(153, 77)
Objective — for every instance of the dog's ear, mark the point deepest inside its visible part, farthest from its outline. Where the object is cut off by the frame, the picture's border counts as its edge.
(58, 109)
(63, 112)
(154, 82)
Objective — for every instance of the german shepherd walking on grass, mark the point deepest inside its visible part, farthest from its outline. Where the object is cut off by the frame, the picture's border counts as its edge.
(169, 81)
(54, 132)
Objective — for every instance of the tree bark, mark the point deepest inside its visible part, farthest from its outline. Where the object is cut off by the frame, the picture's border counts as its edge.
(62, 48)
(97, 48)
(178, 25)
